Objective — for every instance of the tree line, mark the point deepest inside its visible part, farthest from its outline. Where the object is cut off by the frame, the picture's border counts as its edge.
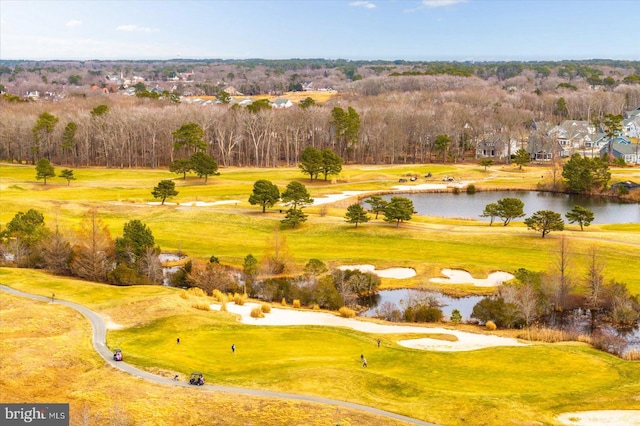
(432, 119)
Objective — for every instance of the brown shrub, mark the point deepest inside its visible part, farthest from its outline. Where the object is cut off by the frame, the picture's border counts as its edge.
(257, 313)
(202, 306)
(346, 312)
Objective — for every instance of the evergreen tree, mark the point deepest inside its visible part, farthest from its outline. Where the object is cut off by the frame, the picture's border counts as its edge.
(44, 170)
(356, 214)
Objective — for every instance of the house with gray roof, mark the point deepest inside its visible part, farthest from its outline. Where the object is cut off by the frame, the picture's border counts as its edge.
(494, 146)
(545, 148)
(624, 149)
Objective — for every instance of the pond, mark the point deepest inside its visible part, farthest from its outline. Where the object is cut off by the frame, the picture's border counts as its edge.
(471, 206)
(397, 297)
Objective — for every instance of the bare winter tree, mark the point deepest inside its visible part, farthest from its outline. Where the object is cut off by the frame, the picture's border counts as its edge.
(94, 250)
(595, 283)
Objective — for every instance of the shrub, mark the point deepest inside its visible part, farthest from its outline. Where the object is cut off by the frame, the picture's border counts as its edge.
(296, 303)
(619, 162)
(223, 307)
(632, 355)
(184, 294)
(315, 307)
(456, 190)
(456, 316)
(284, 302)
(490, 325)
(471, 189)
(197, 291)
(266, 308)
(346, 312)
(218, 295)
(422, 313)
(239, 299)
(622, 190)
(257, 313)
(202, 306)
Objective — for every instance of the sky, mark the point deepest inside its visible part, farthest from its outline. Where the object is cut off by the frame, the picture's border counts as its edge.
(418, 30)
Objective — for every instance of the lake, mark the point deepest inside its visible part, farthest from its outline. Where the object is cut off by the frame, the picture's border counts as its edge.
(471, 206)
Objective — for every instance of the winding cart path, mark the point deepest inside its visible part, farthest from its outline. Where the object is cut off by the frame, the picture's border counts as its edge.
(99, 343)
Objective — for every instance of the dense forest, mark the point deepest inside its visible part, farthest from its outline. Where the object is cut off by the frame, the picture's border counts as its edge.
(395, 110)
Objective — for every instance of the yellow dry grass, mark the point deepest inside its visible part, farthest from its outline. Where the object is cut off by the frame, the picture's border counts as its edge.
(294, 97)
(46, 356)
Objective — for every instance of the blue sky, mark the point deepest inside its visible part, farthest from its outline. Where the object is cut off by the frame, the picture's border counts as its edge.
(281, 29)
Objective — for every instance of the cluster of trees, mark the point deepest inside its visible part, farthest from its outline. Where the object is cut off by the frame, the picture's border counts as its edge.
(266, 194)
(586, 175)
(254, 76)
(543, 221)
(314, 161)
(550, 298)
(316, 285)
(396, 210)
(89, 253)
(428, 118)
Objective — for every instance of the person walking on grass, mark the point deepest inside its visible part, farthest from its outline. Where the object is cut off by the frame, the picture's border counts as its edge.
(233, 348)
(378, 342)
(364, 360)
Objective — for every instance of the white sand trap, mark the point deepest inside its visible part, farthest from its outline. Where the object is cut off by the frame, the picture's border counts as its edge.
(601, 418)
(337, 197)
(195, 203)
(458, 276)
(397, 273)
(282, 317)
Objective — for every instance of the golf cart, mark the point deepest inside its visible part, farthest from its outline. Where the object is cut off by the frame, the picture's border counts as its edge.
(196, 379)
(117, 355)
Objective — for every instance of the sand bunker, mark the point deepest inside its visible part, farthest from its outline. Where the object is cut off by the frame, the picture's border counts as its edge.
(337, 197)
(601, 418)
(397, 273)
(282, 317)
(458, 276)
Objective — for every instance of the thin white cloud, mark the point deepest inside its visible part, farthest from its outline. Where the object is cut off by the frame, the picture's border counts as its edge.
(441, 3)
(73, 23)
(131, 28)
(365, 4)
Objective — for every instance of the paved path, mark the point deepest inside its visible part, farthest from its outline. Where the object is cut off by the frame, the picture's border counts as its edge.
(99, 343)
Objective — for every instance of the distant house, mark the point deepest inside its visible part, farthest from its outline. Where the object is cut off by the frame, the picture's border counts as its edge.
(282, 103)
(572, 134)
(232, 91)
(623, 149)
(544, 148)
(490, 146)
(631, 126)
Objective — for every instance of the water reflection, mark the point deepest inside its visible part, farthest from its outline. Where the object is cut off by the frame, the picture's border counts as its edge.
(471, 206)
(402, 296)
